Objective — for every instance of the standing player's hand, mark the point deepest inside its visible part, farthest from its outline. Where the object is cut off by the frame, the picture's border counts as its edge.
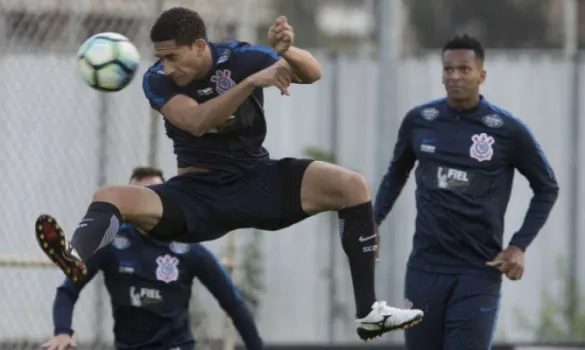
(60, 342)
(276, 75)
(281, 35)
(510, 262)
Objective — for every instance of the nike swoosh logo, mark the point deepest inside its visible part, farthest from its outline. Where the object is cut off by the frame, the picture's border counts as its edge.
(363, 239)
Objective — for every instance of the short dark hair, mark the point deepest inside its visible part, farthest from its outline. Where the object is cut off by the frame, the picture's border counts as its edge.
(466, 42)
(142, 172)
(180, 24)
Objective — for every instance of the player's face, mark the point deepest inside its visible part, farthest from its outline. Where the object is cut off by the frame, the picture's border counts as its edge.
(183, 63)
(463, 73)
(151, 180)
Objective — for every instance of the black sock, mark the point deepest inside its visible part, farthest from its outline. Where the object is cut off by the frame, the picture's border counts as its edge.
(358, 238)
(98, 227)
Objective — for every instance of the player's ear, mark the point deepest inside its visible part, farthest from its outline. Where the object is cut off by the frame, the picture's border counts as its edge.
(200, 45)
(483, 75)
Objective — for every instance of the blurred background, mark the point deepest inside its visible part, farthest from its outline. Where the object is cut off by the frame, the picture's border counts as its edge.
(60, 140)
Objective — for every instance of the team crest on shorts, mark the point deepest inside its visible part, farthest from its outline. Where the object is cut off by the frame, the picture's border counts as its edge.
(223, 81)
(179, 247)
(481, 149)
(167, 270)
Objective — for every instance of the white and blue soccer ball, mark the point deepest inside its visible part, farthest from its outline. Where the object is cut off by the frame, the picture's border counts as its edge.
(107, 61)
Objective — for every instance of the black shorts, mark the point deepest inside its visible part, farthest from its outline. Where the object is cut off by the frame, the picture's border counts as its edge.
(196, 207)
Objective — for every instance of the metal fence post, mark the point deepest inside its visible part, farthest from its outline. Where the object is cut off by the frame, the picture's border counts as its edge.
(571, 46)
(333, 230)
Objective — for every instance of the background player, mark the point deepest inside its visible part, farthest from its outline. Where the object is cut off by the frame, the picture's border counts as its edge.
(210, 95)
(150, 285)
(467, 150)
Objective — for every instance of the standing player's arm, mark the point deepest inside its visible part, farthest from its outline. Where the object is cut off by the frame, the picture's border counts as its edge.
(398, 171)
(217, 280)
(305, 68)
(184, 112)
(527, 156)
(68, 293)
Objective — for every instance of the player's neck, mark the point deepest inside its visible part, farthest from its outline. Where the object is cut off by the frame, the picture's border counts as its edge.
(207, 63)
(463, 104)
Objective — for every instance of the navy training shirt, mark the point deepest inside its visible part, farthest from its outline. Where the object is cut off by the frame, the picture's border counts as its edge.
(466, 162)
(237, 144)
(149, 284)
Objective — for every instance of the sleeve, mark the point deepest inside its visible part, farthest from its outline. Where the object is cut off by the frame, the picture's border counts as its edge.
(68, 293)
(158, 88)
(217, 280)
(256, 56)
(528, 157)
(398, 171)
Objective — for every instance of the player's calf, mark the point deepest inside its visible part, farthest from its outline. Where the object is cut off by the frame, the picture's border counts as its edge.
(111, 204)
(329, 187)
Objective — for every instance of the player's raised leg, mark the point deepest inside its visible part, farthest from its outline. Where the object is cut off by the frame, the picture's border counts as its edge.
(327, 187)
(137, 205)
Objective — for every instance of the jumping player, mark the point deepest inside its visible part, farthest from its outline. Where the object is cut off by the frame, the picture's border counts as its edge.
(210, 95)
(467, 150)
(150, 284)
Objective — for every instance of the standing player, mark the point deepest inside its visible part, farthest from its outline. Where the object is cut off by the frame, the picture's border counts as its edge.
(150, 285)
(467, 150)
(210, 95)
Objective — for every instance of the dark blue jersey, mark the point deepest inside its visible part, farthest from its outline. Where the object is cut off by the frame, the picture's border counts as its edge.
(237, 143)
(150, 284)
(466, 162)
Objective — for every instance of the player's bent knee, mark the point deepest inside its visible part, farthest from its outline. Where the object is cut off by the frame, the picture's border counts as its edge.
(331, 187)
(356, 189)
(111, 194)
(138, 205)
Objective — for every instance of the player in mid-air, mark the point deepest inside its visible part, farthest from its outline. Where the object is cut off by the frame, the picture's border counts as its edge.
(467, 151)
(211, 98)
(150, 285)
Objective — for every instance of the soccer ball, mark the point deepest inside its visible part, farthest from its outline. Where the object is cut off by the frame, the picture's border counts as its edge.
(107, 61)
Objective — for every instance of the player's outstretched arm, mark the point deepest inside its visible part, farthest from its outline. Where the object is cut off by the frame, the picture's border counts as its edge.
(217, 280)
(398, 171)
(305, 68)
(528, 157)
(68, 293)
(197, 119)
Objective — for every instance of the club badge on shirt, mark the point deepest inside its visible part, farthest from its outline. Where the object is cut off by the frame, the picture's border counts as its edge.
(481, 149)
(167, 270)
(429, 114)
(223, 81)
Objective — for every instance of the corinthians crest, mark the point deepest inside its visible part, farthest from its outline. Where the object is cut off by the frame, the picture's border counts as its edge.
(481, 149)
(223, 81)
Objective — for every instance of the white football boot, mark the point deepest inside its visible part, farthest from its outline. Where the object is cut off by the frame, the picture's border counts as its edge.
(384, 318)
